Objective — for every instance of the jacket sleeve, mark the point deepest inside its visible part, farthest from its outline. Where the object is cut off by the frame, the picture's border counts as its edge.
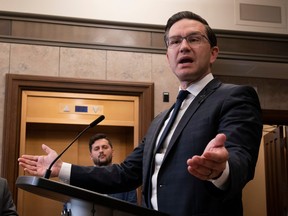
(241, 121)
(111, 179)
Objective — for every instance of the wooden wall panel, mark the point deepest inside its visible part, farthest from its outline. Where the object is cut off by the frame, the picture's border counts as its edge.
(275, 148)
(85, 33)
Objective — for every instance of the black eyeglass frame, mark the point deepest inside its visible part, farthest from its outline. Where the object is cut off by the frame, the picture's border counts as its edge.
(190, 42)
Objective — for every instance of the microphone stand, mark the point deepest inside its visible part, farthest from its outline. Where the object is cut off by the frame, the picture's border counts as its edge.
(95, 122)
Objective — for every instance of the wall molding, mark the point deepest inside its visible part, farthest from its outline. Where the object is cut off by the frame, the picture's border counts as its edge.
(118, 36)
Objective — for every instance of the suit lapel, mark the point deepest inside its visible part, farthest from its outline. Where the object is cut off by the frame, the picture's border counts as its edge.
(196, 103)
(151, 140)
(156, 127)
(158, 122)
(148, 163)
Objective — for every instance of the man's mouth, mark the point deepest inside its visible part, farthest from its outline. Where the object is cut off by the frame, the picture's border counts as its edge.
(101, 156)
(184, 60)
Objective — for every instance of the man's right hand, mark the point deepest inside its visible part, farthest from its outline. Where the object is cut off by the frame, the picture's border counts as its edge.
(37, 165)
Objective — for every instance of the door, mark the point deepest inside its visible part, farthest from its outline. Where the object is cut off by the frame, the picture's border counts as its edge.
(276, 169)
(55, 118)
(16, 84)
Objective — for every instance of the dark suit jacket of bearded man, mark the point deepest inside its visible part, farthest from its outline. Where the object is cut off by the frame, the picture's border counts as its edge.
(219, 108)
(7, 206)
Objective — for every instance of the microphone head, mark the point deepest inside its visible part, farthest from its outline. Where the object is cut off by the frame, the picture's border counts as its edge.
(97, 121)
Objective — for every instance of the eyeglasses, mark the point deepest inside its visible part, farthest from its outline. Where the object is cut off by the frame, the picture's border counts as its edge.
(194, 40)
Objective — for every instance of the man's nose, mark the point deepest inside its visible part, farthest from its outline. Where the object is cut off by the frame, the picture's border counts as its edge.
(184, 45)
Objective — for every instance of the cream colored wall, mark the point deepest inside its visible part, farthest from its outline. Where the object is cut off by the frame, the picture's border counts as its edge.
(221, 14)
(4, 69)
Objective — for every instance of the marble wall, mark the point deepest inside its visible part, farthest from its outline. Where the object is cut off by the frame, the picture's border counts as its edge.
(87, 64)
(115, 65)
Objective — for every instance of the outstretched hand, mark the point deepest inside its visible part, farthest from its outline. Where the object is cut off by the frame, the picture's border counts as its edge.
(37, 165)
(212, 162)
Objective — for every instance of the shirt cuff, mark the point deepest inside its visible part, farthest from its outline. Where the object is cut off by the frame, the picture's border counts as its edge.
(222, 181)
(65, 173)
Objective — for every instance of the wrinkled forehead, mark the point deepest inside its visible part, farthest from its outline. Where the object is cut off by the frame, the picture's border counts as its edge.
(186, 26)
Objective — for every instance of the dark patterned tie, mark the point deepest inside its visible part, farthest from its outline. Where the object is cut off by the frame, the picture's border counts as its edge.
(181, 96)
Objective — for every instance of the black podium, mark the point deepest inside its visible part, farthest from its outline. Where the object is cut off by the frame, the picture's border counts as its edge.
(83, 202)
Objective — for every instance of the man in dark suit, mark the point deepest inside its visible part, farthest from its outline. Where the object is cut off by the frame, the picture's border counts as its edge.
(7, 206)
(208, 155)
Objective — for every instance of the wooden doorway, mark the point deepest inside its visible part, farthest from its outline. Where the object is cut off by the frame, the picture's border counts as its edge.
(276, 170)
(55, 118)
(16, 84)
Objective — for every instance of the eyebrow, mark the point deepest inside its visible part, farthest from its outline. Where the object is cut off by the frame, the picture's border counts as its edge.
(192, 33)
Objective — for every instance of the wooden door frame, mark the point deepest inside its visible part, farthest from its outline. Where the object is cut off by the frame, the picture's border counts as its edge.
(275, 156)
(16, 83)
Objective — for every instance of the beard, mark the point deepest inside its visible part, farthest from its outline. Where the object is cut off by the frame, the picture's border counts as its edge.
(104, 162)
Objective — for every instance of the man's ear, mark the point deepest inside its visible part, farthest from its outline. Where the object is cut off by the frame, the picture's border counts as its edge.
(214, 54)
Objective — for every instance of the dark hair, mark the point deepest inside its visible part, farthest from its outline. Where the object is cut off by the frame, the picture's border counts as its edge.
(190, 15)
(97, 137)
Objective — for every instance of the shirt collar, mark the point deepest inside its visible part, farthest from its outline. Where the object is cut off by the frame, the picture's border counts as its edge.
(195, 88)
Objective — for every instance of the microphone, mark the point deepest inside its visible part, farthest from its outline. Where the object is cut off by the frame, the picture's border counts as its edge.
(92, 124)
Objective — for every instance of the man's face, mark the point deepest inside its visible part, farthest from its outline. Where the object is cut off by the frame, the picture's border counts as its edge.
(101, 153)
(188, 61)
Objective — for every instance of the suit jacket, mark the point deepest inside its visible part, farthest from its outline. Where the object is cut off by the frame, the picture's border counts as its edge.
(7, 206)
(219, 108)
(129, 196)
